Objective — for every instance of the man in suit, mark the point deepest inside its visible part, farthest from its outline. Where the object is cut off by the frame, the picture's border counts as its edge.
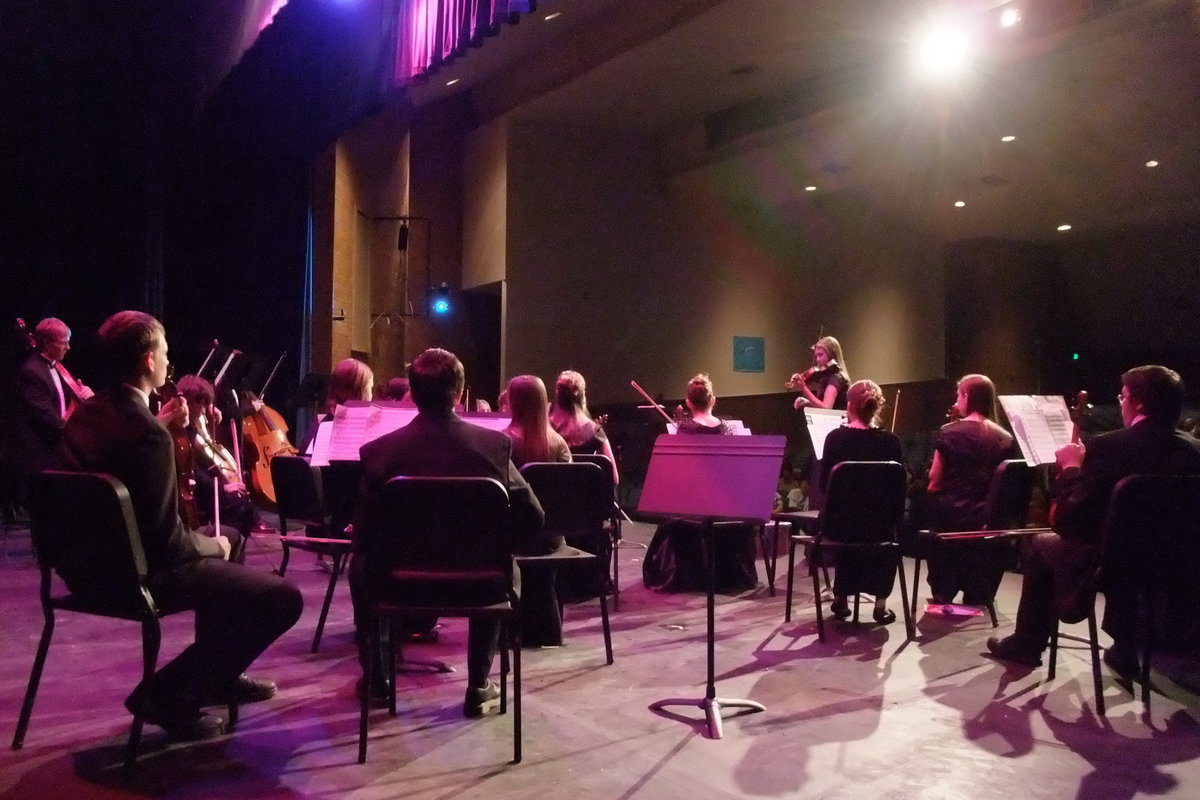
(1057, 565)
(438, 443)
(239, 612)
(43, 398)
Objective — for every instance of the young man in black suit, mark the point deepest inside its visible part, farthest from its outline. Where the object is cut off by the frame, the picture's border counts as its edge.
(438, 443)
(1057, 565)
(239, 612)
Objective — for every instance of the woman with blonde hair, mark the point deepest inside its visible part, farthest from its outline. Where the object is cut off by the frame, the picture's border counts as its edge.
(861, 440)
(570, 418)
(351, 380)
(532, 437)
(824, 384)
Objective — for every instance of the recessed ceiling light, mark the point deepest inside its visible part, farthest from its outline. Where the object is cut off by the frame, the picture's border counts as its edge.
(810, 188)
(1151, 163)
(1064, 227)
(554, 15)
(1009, 17)
(1008, 138)
(959, 204)
(453, 81)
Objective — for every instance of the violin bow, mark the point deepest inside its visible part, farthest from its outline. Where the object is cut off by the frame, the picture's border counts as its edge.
(653, 404)
(895, 409)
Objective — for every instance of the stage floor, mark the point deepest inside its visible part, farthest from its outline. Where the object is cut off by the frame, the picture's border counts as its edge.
(865, 715)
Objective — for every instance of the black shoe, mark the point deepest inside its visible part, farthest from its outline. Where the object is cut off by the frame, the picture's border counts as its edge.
(419, 637)
(378, 698)
(480, 701)
(1008, 649)
(839, 608)
(1122, 661)
(884, 616)
(181, 724)
(246, 690)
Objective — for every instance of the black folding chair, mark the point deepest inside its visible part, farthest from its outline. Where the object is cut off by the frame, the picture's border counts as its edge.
(445, 551)
(84, 528)
(615, 518)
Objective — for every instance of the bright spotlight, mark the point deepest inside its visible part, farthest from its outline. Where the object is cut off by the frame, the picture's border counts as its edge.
(439, 300)
(942, 51)
(1009, 17)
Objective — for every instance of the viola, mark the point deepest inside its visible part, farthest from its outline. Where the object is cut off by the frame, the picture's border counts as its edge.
(267, 432)
(185, 481)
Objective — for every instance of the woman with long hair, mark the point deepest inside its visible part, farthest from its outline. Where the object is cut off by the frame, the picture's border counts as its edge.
(570, 418)
(824, 384)
(532, 437)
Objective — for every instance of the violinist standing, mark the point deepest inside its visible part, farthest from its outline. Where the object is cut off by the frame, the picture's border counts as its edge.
(46, 395)
(823, 385)
(213, 465)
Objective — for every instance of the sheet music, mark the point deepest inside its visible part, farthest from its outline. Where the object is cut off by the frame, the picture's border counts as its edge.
(820, 422)
(358, 422)
(1041, 424)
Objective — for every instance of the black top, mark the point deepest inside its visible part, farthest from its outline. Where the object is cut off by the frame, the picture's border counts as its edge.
(859, 444)
(691, 426)
(835, 377)
(970, 452)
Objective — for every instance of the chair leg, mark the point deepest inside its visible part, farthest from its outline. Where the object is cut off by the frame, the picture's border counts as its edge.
(616, 564)
(35, 678)
(991, 609)
(815, 553)
(507, 626)
(608, 651)
(516, 660)
(1053, 667)
(909, 632)
(283, 561)
(787, 608)
(1094, 642)
(388, 660)
(857, 598)
(916, 587)
(151, 640)
(335, 569)
(367, 659)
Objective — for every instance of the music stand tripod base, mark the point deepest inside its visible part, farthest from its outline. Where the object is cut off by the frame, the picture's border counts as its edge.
(712, 709)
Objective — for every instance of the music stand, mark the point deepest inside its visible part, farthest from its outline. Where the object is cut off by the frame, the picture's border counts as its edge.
(712, 480)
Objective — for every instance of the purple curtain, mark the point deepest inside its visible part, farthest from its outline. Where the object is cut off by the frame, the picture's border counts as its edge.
(431, 33)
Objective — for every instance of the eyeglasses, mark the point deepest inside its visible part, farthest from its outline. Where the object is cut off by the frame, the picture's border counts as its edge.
(1122, 397)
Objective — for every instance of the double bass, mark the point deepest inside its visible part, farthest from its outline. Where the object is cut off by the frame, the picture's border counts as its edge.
(76, 391)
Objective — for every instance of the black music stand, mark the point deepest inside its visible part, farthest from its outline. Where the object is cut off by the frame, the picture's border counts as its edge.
(712, 479)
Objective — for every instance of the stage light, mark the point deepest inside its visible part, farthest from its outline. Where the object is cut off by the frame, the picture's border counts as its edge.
(942, 50)
(439, 300)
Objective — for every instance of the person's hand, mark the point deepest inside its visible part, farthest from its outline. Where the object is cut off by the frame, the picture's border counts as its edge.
(235, 489)
(214, 416)
(800, 402)
(225, 545)
(174, 414)
(1069, 455)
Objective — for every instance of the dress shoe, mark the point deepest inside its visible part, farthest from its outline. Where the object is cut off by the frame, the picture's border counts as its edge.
(839, 608)
(1009, 649)
(479, 701)
(1122, 661)
(180, 723)
(884, 616)
(378, 697)
(246, 690)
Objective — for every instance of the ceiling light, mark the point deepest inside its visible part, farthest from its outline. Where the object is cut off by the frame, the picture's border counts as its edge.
(959, 204)
(942, 50)
(453, 81)
(1064, 227)
(810, 188)
(1010, 16)
(554, 15)
(1009, 138)
(1152, 164)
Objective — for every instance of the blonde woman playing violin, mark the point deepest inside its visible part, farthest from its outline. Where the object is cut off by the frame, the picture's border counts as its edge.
(824, 384)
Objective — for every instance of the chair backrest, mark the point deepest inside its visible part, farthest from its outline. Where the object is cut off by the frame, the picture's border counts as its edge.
(576, 496)
(83, 528)
(864, 502)
(441, 528)
(1007, 502)
(298, 491)
(599, 459)
(1152, 550)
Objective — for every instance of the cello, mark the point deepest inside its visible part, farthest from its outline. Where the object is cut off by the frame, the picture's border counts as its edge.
(266, 431)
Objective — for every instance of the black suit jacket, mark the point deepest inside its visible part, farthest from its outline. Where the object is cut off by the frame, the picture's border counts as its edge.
(443, 445)
(38, 425)
(114, 432)
(1145, 448)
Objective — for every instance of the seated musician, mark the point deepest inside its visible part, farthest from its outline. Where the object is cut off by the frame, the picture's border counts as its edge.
(532, 437)
(239, 611)
(213, 466)
(966, 453)
(570, 417)
(675, 559)
(439, 443)
(1058, 565)
(861, 440)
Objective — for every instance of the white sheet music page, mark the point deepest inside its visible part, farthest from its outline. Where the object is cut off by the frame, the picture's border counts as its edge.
(360, 421)
(1041, 424)
(820, 422)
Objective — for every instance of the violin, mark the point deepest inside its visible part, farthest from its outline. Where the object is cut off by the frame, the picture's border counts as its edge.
(267, 432)
(214, 453)
(813, 373)
(1078, 411)
(185, 481)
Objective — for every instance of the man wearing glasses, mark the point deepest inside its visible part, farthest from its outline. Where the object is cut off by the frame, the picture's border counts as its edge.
(1057, 566)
